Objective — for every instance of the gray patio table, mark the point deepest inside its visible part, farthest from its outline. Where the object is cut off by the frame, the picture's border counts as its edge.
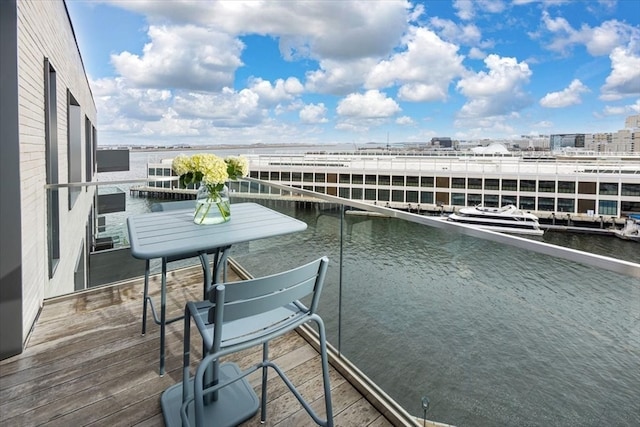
(172, 234)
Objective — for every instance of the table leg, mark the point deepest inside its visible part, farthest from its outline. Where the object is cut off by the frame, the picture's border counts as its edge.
(145, 297)
(163, 313)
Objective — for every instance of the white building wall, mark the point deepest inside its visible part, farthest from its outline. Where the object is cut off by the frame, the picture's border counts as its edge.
(44, 31)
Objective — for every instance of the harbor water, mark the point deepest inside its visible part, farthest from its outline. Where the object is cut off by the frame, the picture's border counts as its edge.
(493, 335)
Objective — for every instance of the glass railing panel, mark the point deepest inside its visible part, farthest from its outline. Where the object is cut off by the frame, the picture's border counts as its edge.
(492, 333)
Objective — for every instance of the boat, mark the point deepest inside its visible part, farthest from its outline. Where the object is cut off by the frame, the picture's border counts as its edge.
(631, 229)
(507, 219)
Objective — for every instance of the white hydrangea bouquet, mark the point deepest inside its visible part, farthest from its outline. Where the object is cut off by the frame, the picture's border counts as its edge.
(211, 173)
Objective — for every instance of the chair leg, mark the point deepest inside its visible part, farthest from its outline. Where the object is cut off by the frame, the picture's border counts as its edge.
(186, 354)
(265, 358)
(325, 372)
(145, 297)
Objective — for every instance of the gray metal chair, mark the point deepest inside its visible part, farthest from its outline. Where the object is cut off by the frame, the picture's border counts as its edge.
(238, 316)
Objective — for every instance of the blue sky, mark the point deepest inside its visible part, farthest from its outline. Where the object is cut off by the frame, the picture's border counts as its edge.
(240, 72)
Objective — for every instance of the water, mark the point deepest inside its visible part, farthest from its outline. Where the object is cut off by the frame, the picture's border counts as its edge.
(493, 335)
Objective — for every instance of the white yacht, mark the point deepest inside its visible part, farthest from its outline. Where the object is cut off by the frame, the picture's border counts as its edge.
(508, 219)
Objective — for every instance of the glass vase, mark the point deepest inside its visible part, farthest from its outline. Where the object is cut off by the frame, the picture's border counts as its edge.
(212, 207)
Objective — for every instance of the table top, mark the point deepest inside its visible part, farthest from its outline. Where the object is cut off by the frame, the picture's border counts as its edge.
(173, 233)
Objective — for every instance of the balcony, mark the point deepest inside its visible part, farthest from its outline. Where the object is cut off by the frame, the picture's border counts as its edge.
(493, 329)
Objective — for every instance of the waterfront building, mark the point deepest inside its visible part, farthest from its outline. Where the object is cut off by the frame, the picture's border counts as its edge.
(586, 188)
(48, 134)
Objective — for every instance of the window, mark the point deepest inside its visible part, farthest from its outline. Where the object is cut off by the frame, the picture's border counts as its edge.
(412, 196)
(631, 190)
(74, 144)
(546, 204)
(528, 185)
(609, 188)
(274, 176)
(475, 183)
(547, 186)
(51, 142)
(426, 181)
(491, 200)
(412, 181)
(296, 176)
(285, 176)
(474, 199)
(397, 180)
(509, 185)
(88, 151)
(356, 179)
(344, 178)
(566, 205)
(397, 195)
(508, 200)
(356, 193)
(332, 178)
(307, 177)
(264, 175)
(426, 197)
(491, 184)
(383, 195)
(458, 183)
(370, 194)
(528, 203)
(320, 177)
(344, 192)
(384, 180)
(370, 180)
(566, 187)
(458, 199)
(608, 207)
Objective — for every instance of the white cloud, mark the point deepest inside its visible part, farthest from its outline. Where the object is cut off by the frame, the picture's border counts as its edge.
(282, 90)
(338, 77)
(475, 53)
(624, 80)
(370, 105)
(465, 34)
(426, 68)
(405, 121)
(466, 9)
(187, 57)
(497, 92)
(566, 97)
(313, 113)
(599, 40)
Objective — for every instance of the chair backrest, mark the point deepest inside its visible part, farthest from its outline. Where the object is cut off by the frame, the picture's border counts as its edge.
(254, 296)
(274, 297)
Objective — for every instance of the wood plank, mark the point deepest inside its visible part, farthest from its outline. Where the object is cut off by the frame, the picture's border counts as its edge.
(86, 363)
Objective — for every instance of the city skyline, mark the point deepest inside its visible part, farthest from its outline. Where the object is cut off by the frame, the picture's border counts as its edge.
(204, 72)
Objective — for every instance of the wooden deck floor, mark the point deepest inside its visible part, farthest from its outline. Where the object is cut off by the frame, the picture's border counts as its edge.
(86, 363)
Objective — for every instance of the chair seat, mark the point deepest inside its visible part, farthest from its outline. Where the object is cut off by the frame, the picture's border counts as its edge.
(253, 327)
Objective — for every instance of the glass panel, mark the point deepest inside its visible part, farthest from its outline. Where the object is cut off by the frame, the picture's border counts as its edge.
(546, 204)
(458, 183)
(609, 188)
(566, 187)
(475, 183)
(566, 205)
(527, 185)
(426, 181)
(509, 185)
(491, 184)
(384, 180)
(631, 190)
(547, 186)
(491, 200)
(356, 179)
(528, 203)
(608, 207)
(412, 181)
(474, 199)
(458, 199)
